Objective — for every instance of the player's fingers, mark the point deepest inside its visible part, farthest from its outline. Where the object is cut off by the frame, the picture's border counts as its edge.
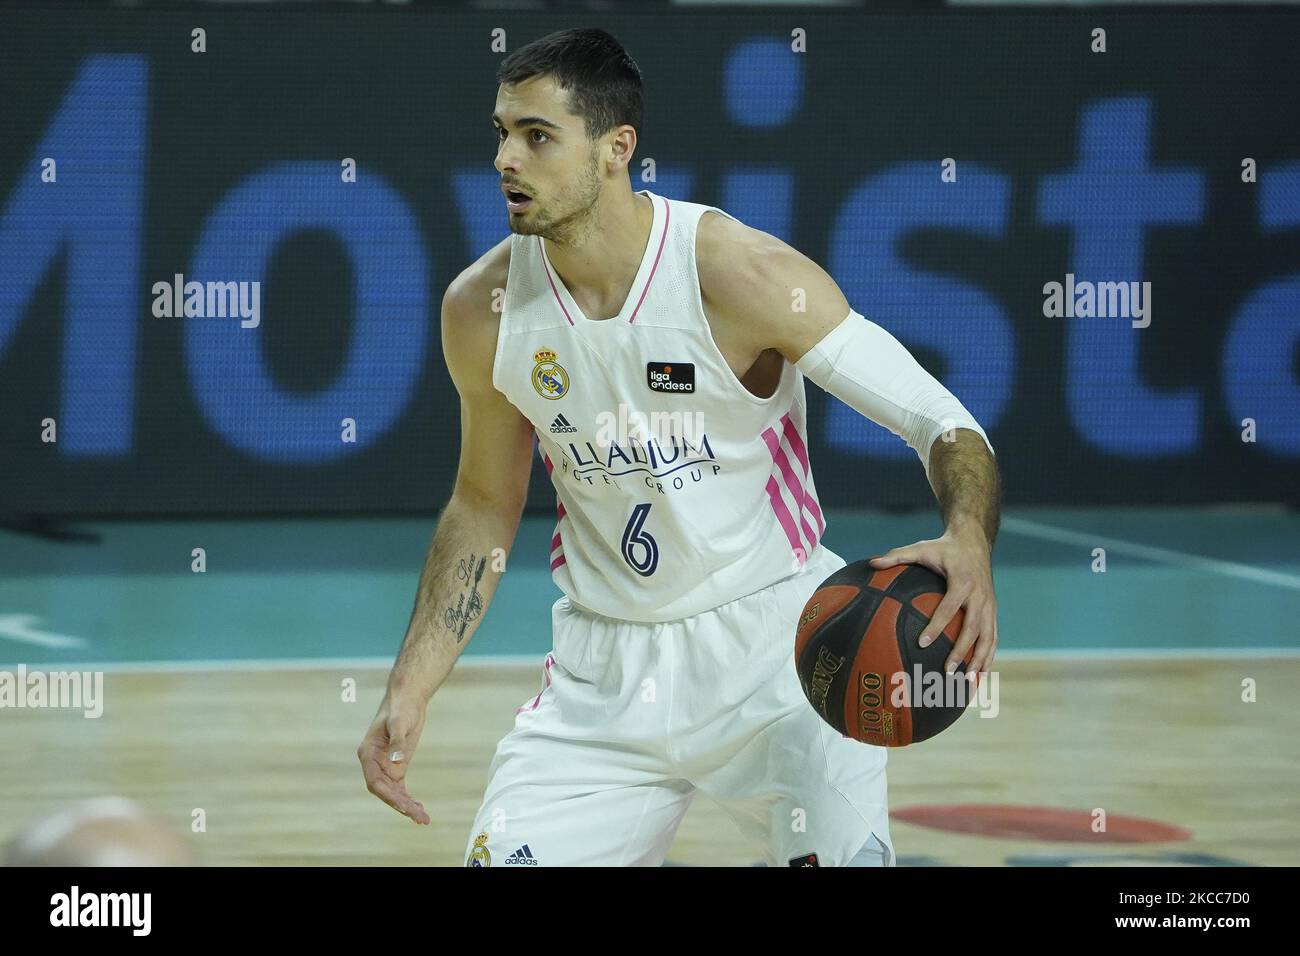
(415, 810)
(396, 760)
(948, 607)
(904, 555)
(988, 658)
(393, 792)
(369, 753)
(977, 616)
(966, 637)
(397, 751)
(990, 628)
(387, 791)
(983, 645)
(381, 785)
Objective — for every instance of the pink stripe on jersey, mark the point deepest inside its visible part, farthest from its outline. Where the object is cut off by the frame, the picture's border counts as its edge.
(796, 444)
(554, 291)
(792, 482)
(556, 543)
(783, 516)
(803, 498)
(653, 268)
(546, 677)
(668, 210)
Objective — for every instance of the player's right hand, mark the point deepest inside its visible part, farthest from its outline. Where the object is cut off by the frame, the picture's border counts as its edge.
(386, 752)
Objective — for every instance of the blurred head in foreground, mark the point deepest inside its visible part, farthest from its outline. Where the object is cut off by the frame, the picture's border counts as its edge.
(105, 831)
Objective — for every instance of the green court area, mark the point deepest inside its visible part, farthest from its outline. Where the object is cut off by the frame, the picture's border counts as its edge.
(1223, 580)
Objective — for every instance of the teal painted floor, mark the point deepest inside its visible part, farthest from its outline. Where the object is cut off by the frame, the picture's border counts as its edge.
(1214, 579)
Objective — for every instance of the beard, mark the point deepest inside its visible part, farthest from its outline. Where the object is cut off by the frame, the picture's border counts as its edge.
(572, 212)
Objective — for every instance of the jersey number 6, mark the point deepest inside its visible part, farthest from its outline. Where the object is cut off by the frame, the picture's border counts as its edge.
(634, 538)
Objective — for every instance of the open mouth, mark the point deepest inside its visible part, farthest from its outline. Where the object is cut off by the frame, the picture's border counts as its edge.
(518, 201)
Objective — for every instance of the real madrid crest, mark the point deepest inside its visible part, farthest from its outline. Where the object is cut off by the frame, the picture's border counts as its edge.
(479, 856)
(549, 377)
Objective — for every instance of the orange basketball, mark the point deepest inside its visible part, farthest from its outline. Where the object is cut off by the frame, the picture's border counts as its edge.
(859, 662)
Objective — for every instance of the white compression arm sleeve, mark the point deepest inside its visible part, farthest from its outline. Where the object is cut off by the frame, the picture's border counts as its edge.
(869, 370)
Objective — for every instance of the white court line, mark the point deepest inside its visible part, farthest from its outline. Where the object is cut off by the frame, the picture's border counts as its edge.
(275, 664)
(488, 661)
(1180, 559)
(21, 627)
(1147, 653)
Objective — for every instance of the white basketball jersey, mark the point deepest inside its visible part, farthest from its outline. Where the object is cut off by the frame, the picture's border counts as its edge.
(677, 489)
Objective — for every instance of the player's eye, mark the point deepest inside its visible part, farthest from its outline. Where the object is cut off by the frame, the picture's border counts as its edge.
(501, 132)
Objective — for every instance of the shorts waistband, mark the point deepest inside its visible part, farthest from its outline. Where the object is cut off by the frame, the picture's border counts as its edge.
(822, 561)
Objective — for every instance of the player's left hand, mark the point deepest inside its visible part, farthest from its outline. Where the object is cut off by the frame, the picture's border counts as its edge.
(962, 556)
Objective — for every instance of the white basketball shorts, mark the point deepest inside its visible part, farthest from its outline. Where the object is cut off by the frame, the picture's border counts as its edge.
(635, 718)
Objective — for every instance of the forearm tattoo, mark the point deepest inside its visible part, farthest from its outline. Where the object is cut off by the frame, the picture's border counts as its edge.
(470, 605)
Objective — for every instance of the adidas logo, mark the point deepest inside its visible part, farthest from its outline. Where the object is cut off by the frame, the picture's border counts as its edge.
(521, 857)
(561, 424)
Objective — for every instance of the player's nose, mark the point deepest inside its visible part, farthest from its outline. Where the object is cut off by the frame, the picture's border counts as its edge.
(506, 159)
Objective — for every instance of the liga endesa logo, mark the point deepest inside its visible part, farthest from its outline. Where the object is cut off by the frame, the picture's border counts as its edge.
(74, 908)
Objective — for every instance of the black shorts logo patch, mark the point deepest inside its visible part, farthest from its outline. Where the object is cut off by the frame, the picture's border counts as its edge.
(809, 860)
(670, 376)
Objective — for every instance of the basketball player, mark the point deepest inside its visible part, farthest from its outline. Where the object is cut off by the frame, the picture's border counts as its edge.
(686, 552)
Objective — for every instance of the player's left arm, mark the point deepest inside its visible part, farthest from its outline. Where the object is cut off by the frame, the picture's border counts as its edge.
(764, 294)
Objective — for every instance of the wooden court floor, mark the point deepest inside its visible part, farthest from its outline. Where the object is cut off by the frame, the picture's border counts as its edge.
(269, 756)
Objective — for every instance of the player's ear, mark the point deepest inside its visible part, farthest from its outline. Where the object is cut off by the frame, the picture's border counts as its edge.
(623, 144)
